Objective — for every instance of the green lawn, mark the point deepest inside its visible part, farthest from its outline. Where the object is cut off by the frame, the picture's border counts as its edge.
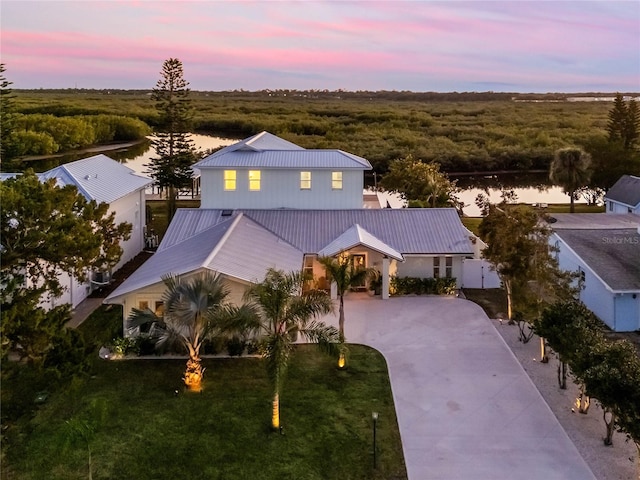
(142, 429)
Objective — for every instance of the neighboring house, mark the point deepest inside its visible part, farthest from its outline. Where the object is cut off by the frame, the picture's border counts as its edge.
(265, 171)
(605, 252)
(105, 180)
(624, 196)
(242, 244)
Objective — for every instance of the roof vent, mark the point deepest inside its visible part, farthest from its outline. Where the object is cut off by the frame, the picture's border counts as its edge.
(87, 177)
(226, 213)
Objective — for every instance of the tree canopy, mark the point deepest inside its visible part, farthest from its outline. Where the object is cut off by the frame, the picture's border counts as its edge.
(571, 170)
(420, 184)
(624, 122)
(518, 246)
(47, 230)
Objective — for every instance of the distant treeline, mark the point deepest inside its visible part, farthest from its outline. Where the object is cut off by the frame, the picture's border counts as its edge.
(45, 134)
(462, 131)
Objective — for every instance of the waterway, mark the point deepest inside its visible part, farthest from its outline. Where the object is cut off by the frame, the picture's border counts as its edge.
(531, 188)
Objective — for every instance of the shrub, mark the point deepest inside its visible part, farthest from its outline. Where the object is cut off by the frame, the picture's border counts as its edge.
(235, 346)
(124, 346)
(422, 286)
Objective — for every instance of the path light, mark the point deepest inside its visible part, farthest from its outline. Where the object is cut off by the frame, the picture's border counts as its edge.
(374, 416)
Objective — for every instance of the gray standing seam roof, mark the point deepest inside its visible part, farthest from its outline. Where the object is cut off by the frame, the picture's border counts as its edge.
(98, 178)
(614, 255)
(315, 159)
(626, 190)
(409, 231)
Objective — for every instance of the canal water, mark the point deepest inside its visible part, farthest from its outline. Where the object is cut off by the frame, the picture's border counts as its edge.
(531, 188)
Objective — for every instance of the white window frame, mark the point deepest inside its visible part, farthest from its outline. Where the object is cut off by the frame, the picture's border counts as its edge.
(305, 180)
(336, 180)
(230, 178)
(255, 180)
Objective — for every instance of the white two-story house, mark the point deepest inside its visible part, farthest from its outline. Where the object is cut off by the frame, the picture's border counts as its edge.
(268, 203)
(265, 171)
(104, 180)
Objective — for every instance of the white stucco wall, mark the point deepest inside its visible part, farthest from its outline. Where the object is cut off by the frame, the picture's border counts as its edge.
(153, 295)
(421, 266)
(131, 209)
(281, 189)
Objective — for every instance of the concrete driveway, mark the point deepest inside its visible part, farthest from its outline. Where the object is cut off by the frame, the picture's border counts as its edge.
(465, 406)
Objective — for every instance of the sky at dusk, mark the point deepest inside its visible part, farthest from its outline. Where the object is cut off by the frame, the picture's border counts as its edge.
(514, 46)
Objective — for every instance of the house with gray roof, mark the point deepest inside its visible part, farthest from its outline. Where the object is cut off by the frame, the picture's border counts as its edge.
(624, 196)
(268, 203)
(104, 180)
(605, 252)
(242, 244)
(265, 171)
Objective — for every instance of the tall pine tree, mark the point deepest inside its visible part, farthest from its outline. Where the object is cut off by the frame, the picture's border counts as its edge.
(624, 122)
(175, 153)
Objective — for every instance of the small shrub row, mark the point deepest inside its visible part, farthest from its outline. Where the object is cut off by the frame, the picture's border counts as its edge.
(422, 286)
(145, 345)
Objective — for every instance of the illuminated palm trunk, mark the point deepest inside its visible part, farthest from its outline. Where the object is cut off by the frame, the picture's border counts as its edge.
(193, 374)
(275, 412)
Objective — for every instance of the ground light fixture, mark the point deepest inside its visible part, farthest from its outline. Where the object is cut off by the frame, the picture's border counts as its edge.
(374, 416)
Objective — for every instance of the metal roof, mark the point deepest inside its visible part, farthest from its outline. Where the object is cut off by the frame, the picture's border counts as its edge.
(184, 257)
(312, 159)
(614, 255)
(626, 190)
(98, 178)
(354, 236)
(235, 246)
(251, 250)
(407, 230)
(593, 221)
(266, 150)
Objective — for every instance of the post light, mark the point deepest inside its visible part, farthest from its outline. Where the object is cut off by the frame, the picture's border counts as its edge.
(374, 416)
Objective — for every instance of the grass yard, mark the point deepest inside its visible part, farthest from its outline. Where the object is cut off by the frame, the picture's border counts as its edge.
(137, 427)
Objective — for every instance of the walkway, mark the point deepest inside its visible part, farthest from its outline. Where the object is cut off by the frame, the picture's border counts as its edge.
(465, 407)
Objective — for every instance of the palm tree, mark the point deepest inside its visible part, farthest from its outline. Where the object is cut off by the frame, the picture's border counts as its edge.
(346, 276)
(193, 310)
(285, 313)
(571, 170)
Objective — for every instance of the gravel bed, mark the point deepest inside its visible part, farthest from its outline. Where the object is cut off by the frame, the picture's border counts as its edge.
(617, 462)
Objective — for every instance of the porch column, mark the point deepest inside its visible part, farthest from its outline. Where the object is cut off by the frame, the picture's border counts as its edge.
(385, 278)
(334, 290)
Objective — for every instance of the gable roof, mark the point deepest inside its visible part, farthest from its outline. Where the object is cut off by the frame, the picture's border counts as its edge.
(269, 151)
(98, 178)
(233, 246)
(354, 236)
(406, 230)
(613, 255)
(626, 190)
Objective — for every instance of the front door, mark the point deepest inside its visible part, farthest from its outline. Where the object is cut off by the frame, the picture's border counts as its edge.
(359, 262)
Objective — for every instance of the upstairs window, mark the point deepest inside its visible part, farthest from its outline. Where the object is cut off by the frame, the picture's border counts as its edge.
(254, 180)
(229, 179)
(336, 180)
(305, 180)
